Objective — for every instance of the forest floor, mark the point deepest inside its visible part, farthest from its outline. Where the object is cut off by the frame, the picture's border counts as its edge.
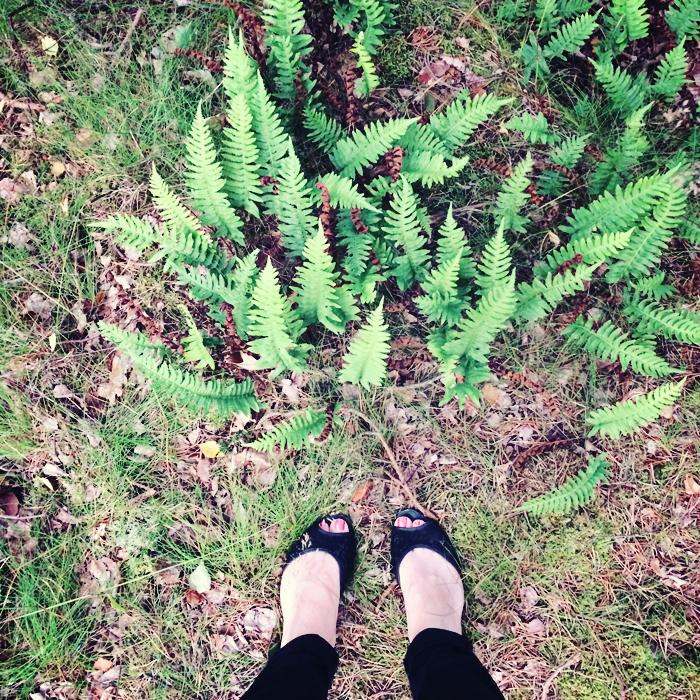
(108, 502)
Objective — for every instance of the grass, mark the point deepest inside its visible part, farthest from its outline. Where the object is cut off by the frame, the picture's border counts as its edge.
(124, 482)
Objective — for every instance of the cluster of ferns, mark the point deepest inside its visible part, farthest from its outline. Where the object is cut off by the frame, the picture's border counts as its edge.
(252, 173)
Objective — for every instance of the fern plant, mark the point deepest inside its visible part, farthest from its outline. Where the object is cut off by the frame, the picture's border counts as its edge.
(629, 21)
(365, 361)
(610, 343)
(670, 75)
(571, 37)
(631, 416)
(276, 326)
(653, 319)
(535, 129)
(369, 81)
(684, 19)
(295, 433)
(576, 492)
(513, 197)
(626, 94)
(194, 343)
(224, 398)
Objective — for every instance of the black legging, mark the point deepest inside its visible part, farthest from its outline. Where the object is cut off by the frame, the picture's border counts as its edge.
(440, 666)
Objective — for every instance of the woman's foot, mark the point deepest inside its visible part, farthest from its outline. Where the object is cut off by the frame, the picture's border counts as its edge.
(432, 589)
(310, 592)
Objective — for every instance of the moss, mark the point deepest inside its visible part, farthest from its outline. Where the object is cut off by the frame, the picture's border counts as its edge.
(395, 61)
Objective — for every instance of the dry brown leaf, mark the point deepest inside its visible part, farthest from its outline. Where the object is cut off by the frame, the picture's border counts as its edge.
(9, 503)
(535, 627)
(193, 598)
(115, 386)
(102, 665)
(692, 488)
(169, 576)
(491, 393)
(39, 305)
(57, 168)
(65, 206)
(261, 621)
(249, 363)
(362, 491)
(11, 191)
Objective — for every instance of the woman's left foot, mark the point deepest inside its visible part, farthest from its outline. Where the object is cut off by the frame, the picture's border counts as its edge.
(310, 591)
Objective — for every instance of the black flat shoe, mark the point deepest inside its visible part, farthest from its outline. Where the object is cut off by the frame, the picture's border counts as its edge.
(430, 536)
(340, 545)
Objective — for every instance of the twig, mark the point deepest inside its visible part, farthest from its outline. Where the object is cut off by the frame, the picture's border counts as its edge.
(394, 463)
(408, 387)
(385, 594)
(129, 32)
(548, 684)
(618, 678)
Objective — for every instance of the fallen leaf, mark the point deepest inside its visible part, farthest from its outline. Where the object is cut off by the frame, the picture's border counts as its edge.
(217, 594)
(57, 169)
(529, 597)
(144, 451)
(535, 627)
(11, 191)
(52, 470)
(262, 621)
(262, 472)
(462, 42)
(692, 488)
(193, 598)
(115, 386)
(105, 570)
(9, 503)
(249, 363)
(169, 576)
(362, 491)
(83, 137)
(199, 579)
(227, 644)
(111, 142)
(61, 391)
(210, 449)
(102, 665)
(20, 237)
(493, 630)
(39, 305)
(553, 238)
(49, 45)
(65, 206)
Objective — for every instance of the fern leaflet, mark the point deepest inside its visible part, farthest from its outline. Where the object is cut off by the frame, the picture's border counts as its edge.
(684, 19)
(670, 75)
(653, 318)
(323, 131)
(534, 129)
(513, 196)
(296, 433)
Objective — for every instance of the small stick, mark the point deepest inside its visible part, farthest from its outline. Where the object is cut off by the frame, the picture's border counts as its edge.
(618, 678)
(548, 684)
(394, 463)
(129, 32)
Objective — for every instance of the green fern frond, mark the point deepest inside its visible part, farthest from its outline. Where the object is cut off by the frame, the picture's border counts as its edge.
(535, 130)
(374, 21)
(533, 59)
(369, 81)
(365, 361)
(648, 242)
(576, 492)
(591, 249)
(285, 65)
(456, 124)
(631, 20)
(421, 138)
(689, 228)
(513, 196)
(351, 154)
(569, 152)
(178, 218)
(270, 138)
(654, 286)
(654, 319)
(619, 211)
(684, 19)
(477, 331)
(619, 161)
(133, 343)
(430, 168)
(206, 184)
(344, 193)
(571, 8)
(276, 326)
(441, 301)
(453, 241)
(240, 70)
(293, 205)
(214, 395)
(547, 17)
(496, 262)
(626, 94)
(240, 157)
(194, 343)
(539, 298)
(317, 296)
(402, 227)
(296, 433)
(135, 233)
(610, 343)
(631, 416)
(323, 131)
(670, 75)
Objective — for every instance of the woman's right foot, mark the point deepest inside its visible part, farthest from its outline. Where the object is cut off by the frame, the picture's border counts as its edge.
(432, 589)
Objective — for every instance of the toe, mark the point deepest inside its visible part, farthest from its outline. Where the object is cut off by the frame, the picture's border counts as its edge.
(325, 526)
(339, 525)
(418, 523)
(403, 522)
